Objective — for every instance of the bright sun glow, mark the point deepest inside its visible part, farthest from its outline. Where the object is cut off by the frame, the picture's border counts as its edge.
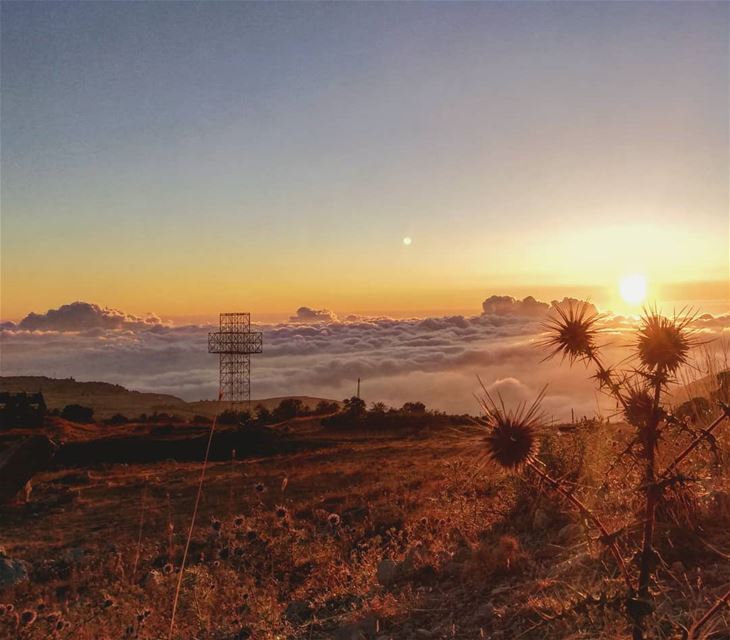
(407, 241)
(633, 288)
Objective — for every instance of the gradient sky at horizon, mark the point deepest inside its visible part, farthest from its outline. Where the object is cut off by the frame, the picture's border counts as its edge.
(186, 158)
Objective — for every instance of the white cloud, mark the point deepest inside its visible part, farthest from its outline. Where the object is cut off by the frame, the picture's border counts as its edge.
(84, 316)
(307, 314)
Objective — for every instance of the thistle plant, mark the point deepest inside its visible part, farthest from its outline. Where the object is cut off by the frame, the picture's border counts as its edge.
(661, 348)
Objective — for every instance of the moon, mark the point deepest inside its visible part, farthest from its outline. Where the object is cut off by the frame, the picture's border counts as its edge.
(633, 288)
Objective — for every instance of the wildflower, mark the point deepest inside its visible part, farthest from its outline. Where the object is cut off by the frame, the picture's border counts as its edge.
(663, 343)
(424, 521)
(281, 512)
(572, 331)
(28, 617)
(260, 487)
(511, 439)
(167, 569)
(334, 520)
(238, 522)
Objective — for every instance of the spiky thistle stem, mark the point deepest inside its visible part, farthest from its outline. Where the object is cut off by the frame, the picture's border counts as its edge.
(697, 626)
(606, 537)
(651, 493)
(696, 442)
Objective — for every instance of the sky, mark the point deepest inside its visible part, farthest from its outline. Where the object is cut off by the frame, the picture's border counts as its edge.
(187, 158)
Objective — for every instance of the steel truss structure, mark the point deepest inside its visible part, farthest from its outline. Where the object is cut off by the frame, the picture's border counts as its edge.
(235, 342)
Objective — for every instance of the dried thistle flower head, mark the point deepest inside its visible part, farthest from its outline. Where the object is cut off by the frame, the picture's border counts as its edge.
(572, 331)
(664, 343)
(638, 405)
(28, 617)
(511, 438)
(281, 512)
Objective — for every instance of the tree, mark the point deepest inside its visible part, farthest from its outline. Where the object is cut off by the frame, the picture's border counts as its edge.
(288, 408)
(263, 415)
(325, 406)
(231, 416)
(355, 407)
(417, 408)
(378, 408)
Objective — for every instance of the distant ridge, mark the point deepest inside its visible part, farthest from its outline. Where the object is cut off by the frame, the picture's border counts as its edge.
(107, 399)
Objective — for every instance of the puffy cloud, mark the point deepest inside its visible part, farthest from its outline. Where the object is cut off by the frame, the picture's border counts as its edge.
(307, 314)
(507, 305)
(84, 316)
(566, 303)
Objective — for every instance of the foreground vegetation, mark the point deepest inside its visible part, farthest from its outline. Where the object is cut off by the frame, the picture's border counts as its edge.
(385, 523)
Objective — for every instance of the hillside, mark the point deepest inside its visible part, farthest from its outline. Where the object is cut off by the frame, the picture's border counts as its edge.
(108, 399)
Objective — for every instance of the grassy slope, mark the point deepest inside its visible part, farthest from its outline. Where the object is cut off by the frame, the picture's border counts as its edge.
(476, 561)
(107, 399)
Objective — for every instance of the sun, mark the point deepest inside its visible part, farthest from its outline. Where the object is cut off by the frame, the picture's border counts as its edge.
(407, 241)
(633, 288)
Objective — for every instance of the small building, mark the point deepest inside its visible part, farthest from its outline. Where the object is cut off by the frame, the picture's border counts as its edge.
(21, 410)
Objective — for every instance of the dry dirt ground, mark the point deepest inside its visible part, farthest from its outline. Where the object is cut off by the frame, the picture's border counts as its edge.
(359, 536)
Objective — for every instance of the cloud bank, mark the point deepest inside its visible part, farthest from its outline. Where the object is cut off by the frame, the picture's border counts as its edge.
(83, 316)
(435, 360)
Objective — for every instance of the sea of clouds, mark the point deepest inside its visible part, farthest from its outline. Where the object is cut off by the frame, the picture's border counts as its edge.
(435, 360)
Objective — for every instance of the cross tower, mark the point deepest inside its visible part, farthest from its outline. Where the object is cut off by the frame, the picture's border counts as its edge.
(235, 342)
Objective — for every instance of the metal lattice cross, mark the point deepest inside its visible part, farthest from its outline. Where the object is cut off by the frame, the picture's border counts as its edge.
(235, 342)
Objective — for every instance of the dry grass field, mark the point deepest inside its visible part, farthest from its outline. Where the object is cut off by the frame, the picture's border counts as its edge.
(360, 535)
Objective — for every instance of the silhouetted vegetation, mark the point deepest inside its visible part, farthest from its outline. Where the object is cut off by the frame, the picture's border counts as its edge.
(232, 416)
(667, 505)
(77, 413)
(325, 407)
(411, 416)
(116, 420)
(288, 408)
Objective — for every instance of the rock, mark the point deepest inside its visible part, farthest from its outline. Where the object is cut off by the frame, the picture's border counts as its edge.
(387, 571)
(12, 572)
(540, 519)
(298, 611)
(569, 534)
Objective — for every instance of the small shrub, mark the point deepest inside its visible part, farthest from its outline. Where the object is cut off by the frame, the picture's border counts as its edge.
(77, 413)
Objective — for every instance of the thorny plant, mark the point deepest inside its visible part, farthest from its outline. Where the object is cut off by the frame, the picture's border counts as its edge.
(661, 348)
